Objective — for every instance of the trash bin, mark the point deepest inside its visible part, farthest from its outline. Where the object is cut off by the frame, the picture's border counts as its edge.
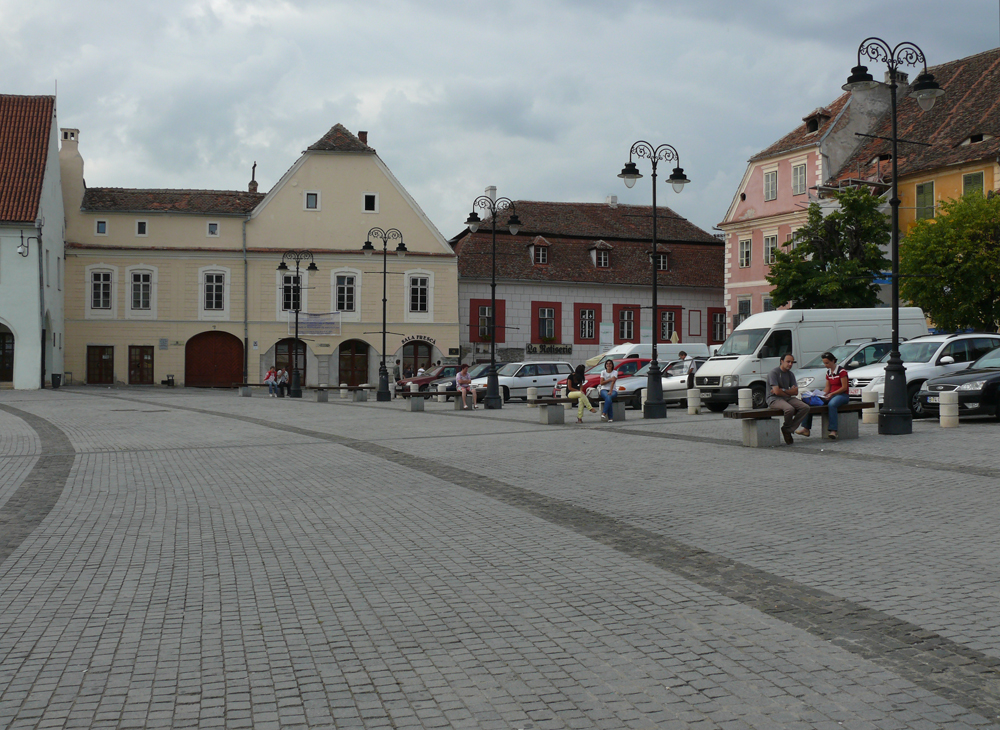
(170, 380)
(56, 380)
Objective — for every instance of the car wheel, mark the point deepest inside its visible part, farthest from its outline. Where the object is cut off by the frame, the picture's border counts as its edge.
(716, 407)
(916, 407)
(423, 388)
(758, 394)
(506, 393)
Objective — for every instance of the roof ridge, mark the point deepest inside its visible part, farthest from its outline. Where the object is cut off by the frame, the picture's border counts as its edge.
(173, 190)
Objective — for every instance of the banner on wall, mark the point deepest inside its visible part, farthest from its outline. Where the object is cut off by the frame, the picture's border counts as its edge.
(315, 323)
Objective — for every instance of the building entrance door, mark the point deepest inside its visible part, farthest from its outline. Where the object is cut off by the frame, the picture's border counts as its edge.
(417, 355)
(354, 362)
(283, 358)
(140, 365)
(100, 365)
(6, 355)
(213, 360)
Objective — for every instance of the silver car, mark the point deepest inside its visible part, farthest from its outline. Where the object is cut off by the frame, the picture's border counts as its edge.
(516, 377)
(850, 355)
(674, 381)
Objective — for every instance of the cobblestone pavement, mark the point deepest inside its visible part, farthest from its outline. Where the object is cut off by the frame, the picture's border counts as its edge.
(194, 559)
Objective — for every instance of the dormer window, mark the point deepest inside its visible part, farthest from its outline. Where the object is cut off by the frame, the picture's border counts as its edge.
(881, 157)
(538, 251)
(661, 262)
(975, 139)
(816, 119)
(603, 259)
(541, 254)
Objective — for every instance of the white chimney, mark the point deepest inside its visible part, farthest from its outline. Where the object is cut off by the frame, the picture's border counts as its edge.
(612, 201)
(491, 192)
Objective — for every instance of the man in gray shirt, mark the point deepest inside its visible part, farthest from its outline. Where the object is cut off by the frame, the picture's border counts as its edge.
(782, 390)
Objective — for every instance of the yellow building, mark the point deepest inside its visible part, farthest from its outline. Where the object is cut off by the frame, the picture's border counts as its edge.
(184, 284)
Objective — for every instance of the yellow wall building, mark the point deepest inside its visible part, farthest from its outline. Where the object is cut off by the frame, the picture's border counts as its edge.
(184, 283)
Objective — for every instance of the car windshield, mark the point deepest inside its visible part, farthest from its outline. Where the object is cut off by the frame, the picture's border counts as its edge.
(839, 353)
(644, 370)
(915, 351)
(742, 342)
(597, 368)
(509, 369)
(479, 370)
(990, 360)
(434, 372)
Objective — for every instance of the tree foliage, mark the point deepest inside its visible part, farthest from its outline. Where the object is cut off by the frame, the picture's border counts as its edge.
(836, 259)
(950, 264)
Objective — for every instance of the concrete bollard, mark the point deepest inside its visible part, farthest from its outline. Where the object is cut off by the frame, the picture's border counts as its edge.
(745, 399)
(442, 389)
(948, 406)
(343, 391)
(414, 388)
(532, 395)
(694, 401)
(869, 415)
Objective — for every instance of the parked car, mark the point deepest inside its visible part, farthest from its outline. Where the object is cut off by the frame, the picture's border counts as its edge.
(852, 354)
(674, 383)
(625, 367)
(479, 369)
(925, 357)
(516, 377)
(665, 351)
(978, 388)
(432, 374)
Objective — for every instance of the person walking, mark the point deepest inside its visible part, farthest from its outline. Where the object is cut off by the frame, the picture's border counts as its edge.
(689, 367)
(782, 394)
(835, 395)
(463, 381)
(574, 391)
(270, 380)
(609, 376)
(397, 375)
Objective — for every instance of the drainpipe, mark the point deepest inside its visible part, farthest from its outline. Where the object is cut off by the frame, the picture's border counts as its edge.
(246, 328)
(41, 292)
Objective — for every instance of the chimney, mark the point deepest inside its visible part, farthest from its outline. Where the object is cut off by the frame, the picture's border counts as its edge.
(902, 79)
(612, 201)
(491, 192)
(363, 136)
(252, 187)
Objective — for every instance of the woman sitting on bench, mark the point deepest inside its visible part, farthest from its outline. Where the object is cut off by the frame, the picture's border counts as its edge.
(574, 391)
(835, 396)
(609, 377)
(464, 384)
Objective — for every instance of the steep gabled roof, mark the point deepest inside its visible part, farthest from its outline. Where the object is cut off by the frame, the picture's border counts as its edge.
(970, 106)
(25, 130)
(800, 137)
(339, 139)
(126, 200)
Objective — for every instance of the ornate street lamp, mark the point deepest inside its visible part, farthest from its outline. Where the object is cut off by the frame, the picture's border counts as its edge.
(655, 407)
(295, 391)
(493, 398)
(895, 416)
(383, 394)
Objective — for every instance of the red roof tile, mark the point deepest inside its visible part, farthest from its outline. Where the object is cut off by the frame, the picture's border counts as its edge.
(970, 105)
(25, 129)
(126, 200)
(338, 139)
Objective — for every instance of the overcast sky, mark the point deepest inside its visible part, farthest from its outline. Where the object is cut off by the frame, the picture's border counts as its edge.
(542, 98)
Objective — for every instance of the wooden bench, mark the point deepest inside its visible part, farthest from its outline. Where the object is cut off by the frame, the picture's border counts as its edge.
(761, 429)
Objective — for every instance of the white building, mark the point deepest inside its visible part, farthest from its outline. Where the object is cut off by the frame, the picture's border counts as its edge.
(31, 243)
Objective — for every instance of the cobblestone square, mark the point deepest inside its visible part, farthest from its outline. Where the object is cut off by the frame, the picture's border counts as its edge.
(191, 558)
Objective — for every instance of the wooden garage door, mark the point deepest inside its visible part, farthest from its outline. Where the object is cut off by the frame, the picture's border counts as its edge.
(213, 360)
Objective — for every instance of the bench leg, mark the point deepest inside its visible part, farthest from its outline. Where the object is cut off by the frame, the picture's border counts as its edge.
(361, 396)
(416, 404)
(245, 391)
(322, 396)
(618, 410)
(761, 433)
(551, 415)
(848, 425)
(458, 401)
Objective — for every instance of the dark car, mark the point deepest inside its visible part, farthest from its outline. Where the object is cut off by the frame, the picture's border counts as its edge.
(978, 388)
(475, 371)
(432, 374)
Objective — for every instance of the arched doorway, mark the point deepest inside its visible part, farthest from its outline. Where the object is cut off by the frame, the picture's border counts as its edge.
(417, 354)
(353, 362)
(283, 351)
(213, 360)
(6, 355)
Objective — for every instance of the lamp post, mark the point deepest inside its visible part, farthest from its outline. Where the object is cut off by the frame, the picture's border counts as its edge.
(295, 391)
(383, 394)
(654, 407)
(894, 417)
(493, 399)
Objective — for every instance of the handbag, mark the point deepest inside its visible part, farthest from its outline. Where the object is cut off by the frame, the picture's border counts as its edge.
(813, 400)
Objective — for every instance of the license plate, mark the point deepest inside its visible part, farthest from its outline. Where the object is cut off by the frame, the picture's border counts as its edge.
(933, 399)
(854, 391)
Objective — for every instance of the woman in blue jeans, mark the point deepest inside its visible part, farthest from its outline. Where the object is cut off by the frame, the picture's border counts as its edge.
(835, 395)
(607, 390)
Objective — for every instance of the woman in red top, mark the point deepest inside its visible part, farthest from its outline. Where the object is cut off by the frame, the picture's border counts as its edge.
(835, 395)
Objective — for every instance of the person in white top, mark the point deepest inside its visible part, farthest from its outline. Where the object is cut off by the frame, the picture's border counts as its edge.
(607, 389)
(689, 368)
(463, 381)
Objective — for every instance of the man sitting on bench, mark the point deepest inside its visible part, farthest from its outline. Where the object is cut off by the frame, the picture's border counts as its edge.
(782, 392)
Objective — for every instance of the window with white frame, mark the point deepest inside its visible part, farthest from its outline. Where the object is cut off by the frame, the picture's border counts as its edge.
(311, 200)
(484, 322)
(541, 254)
(588, 318)
(798, 179)
(140, 228)
(418, 294)
(546, 322)
(626, 324)
(718, 326)
(212, 229)
(291, 293)
(215, 291)
(100, 289)
(668, 324)
(100, 228)
(770, 246)
(345, 293)
(661, 262)
(142, 290)
(370, 203)
(771, 185)
(744, 254)
(603, 259)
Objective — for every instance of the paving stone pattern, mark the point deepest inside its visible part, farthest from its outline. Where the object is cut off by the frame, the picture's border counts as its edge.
(222, 562)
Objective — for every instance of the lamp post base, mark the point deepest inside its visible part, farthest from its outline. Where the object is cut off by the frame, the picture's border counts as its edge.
(492, 402)
(895, 423)
(654, 407)
(382, 394)
(895, 417)
(654, 410)
(296, 390)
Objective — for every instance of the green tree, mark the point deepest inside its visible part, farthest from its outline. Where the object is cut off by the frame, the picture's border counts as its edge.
(836, 259)
(950, 264)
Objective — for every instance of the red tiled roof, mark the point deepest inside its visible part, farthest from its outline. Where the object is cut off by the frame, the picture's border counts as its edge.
(970, 105)
(800, 136)
(126, 200)
(600, 220)
(338, 139)
(25, 128)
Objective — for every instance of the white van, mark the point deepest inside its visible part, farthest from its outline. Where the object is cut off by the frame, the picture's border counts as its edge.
(755, 347)
(665, 351)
